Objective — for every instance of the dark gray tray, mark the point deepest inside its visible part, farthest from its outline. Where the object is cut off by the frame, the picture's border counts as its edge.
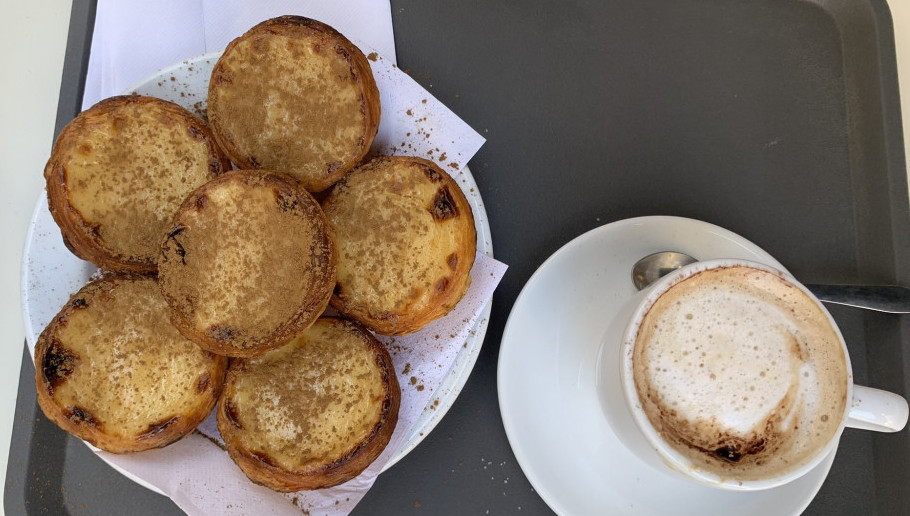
(777, 119)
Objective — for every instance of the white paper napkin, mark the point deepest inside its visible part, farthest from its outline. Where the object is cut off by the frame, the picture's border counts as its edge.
(133, 39)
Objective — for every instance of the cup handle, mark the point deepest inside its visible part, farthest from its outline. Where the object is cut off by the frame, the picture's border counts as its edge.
(878, 410)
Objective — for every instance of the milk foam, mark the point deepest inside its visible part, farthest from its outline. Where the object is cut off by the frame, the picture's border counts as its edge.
(740, 370)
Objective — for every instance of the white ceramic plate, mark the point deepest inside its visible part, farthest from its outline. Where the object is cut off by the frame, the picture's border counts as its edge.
(568, 442)
(50, 273)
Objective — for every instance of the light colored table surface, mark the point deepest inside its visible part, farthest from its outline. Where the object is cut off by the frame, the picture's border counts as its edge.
(34, 36)
(29, 87)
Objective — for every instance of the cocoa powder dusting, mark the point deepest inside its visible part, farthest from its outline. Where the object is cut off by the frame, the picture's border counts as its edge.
(328, 412)
(277, 256)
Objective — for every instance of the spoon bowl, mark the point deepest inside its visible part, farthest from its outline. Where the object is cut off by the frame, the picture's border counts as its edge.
(655, 266)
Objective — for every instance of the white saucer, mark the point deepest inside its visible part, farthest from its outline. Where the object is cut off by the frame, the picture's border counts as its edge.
(563, 437)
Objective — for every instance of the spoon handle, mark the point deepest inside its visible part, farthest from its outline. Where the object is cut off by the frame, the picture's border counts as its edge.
(891, 299)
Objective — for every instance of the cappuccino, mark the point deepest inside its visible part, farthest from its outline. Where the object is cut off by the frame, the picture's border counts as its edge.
(741, 372)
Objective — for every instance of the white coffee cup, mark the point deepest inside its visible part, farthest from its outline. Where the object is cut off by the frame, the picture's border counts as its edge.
(860, 407)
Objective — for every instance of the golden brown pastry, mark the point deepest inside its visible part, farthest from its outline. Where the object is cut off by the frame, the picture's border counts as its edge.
(314, 413)
(249, 262)
(110, 368)
(117, 173)
(406, 243)
(294, 95)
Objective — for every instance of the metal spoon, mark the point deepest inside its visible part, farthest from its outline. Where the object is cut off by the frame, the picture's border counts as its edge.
(655, 266)
(885, 298)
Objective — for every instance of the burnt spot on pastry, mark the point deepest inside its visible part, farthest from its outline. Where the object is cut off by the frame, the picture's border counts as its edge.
(332, 167)
(176, 230)
(82, 416)
(79, 302)
(230, 412)
(58, 364)
(196, 133)
(156, 428)
(254, 163)
(441, 285)
(443, 205)
(287, 201)
(346, 457)
(343, 52)
(201, 202)
(95, 231)
(452, 261)
(386, 402)
(172, 245)
(202, 384)
(431, 174)
(222, 333)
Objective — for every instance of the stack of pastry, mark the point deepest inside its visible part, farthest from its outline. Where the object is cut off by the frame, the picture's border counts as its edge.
(215, 282)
